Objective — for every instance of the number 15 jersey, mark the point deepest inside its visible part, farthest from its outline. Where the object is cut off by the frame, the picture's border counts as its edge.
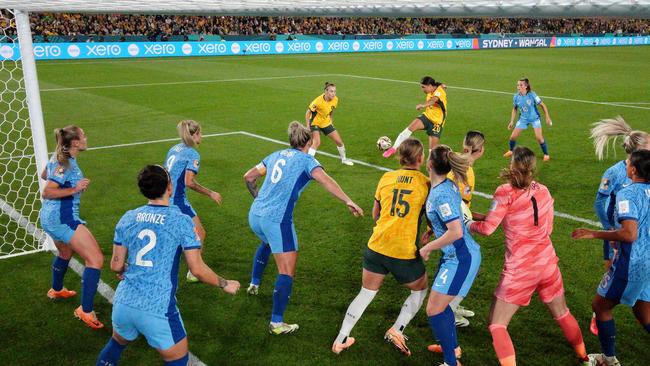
(401, 195)
(154, 236)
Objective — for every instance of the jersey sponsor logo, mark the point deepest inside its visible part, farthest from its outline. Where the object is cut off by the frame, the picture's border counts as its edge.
(604, 184)
(445, 210)
(623, 207)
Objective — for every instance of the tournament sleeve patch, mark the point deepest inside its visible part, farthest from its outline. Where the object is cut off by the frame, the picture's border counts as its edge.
(604, 184)
(623, 207)
(445, 210)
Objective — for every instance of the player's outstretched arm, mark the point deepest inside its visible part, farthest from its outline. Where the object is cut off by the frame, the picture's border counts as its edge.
(191, 183)
(251, 178)
(627, 233)
(53, 190)
(201, 271)
(332, 187)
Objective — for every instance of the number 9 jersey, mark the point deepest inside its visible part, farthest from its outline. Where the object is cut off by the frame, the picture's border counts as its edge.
(154, 237)
(401, 195)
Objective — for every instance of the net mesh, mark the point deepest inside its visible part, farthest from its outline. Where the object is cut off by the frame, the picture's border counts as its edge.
(19, 190)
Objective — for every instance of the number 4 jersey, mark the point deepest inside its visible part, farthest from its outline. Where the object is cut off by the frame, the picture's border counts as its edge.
(401, 195)
(154, 236)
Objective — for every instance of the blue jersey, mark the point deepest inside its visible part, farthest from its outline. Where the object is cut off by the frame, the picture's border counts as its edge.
(633, 259)
(614, 179)
(443, 207)
(154, 237)
(527, 106)
(181, 158)
(63, 210)
(287, 174)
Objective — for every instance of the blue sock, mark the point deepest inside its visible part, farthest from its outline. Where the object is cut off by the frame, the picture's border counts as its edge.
(111, 354)
(59, 267)
(544, 148)
(180, 362)
(259, 263)
(607, 336)
(444, 329)
(281, 294)
(89, 281)
(512, 144)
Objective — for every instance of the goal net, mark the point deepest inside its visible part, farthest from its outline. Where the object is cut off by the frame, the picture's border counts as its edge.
(19, 183)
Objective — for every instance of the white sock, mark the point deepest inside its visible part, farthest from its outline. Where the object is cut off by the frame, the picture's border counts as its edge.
(411, 307)
(311, 151)
(354, 312)
(402, 137)
(455, 303)
(341, 150)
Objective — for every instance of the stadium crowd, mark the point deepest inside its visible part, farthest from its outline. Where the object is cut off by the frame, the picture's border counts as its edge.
(153, 25)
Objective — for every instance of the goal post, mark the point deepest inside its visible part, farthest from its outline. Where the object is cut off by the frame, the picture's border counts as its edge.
(24, 148)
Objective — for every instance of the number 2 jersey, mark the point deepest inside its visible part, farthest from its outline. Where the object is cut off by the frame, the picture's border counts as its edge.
(527, 219)
(154, 237)
(401, 195)
(287, 174)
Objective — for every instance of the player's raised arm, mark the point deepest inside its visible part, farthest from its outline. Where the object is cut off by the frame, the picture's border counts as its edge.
(206, 274)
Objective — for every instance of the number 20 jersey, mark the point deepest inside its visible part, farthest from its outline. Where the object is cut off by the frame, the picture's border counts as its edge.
(287, 174)
(401, 195)
(154, 236)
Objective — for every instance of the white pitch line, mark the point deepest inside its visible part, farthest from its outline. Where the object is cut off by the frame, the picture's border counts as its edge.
(385, 169)
(116, 86)
(498, 92)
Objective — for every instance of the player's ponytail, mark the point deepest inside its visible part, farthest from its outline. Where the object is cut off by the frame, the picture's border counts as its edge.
(64, 137)
(473, 143)
(409, 151)
(444, 160)
(640, 160)
(611, 129)
(299, 135)
(522, 168)
(187, 129)
(428, 80)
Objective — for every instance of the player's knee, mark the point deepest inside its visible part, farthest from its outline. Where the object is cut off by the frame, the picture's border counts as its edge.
(95, 261)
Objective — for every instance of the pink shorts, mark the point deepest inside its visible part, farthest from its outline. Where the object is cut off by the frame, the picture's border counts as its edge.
(518, 288)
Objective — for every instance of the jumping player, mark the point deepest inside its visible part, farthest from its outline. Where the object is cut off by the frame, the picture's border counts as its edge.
(271, 215)
(146, 252)
(182, 163)
(432, 120)
(628, 279)
(525, 209)
(392, 248)
(60, 219)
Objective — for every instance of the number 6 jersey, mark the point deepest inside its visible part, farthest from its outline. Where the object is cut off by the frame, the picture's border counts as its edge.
(401, 195)
(154, 236)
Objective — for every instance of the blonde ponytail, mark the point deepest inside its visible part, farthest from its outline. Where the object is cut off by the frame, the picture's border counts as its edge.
(613, 128)
(64, 137)
(187, 129)
(444, 160)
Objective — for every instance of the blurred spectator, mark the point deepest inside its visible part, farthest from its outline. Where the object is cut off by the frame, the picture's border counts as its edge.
(164, 26)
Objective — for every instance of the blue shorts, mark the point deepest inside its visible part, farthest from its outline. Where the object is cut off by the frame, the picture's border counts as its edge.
(61, 232)
(521, 124)
(281, 236)
(185, 207)
(455, 276)
(161, 331)
(620, 289)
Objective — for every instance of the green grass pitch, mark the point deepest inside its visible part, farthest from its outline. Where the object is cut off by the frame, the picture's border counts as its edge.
(127, 101)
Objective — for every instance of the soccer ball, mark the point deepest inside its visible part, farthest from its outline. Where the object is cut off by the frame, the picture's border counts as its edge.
(467, 213)
(384, 143)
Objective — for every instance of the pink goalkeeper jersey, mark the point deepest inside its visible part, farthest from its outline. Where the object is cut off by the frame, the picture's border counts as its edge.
(527, 217)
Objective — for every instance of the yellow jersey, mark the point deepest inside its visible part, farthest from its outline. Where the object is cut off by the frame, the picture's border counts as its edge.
(401, 195)
(466, 191)
(321, 111)
(437, 113)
